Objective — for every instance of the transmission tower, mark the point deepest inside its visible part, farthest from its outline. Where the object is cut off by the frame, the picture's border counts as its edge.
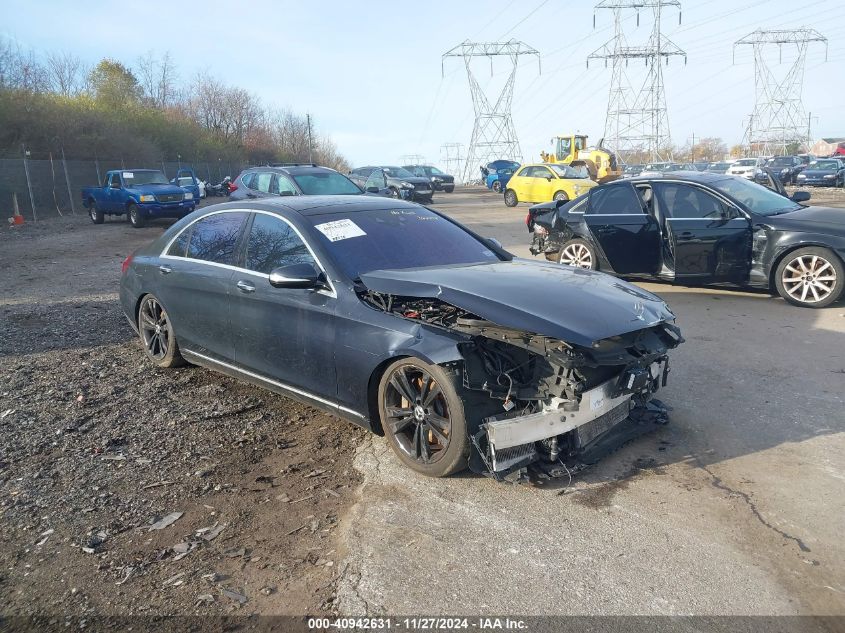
(493, 135)
(450, 155)
(778, 119)
(637, 120)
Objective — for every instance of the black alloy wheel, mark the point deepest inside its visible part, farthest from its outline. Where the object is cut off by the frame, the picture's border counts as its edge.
(157, 334)
(422, 417)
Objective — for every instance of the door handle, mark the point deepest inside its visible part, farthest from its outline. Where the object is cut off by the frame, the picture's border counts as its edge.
(686, 234)
(245, 286)
(165, 270)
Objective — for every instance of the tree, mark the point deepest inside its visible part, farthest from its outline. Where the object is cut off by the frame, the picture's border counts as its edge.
(113, 84)
(65, 74)
(709, 149)
(157, 78)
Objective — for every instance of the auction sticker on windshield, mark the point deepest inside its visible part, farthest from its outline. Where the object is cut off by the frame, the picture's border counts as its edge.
(340, 230)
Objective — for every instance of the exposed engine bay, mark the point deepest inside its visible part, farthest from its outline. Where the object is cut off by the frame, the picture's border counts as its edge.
(547, 407)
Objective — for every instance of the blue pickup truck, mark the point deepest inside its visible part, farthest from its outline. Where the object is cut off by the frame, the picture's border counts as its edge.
(141, 194)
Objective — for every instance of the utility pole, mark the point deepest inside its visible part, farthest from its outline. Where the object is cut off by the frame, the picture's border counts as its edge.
(310, 147)
(637, 119)
(493, 134)
(692, 149)
(778, 117)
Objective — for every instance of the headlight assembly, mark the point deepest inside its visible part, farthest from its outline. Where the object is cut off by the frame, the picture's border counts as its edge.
(189, 196)
(147, 198)
(406, 185)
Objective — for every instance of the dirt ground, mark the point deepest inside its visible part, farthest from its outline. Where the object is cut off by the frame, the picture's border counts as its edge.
(99, 446)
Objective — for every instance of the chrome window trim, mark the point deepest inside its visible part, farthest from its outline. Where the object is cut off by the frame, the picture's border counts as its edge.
(281, 385)
(163, 255)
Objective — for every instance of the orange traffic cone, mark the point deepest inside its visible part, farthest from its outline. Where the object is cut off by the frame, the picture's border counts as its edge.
(17, 218)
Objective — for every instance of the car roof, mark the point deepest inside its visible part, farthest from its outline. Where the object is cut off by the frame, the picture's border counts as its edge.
(321, 205)
(691, 176)
(290, 169)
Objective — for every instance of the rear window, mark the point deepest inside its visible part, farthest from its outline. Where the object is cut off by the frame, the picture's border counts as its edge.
(399, 238)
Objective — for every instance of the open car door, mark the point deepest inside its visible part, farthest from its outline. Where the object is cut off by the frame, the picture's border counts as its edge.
(618, 220)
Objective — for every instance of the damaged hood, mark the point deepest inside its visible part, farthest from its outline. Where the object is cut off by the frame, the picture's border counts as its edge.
(571, 304)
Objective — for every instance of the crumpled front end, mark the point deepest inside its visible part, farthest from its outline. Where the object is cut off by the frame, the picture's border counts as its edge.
(537, 406)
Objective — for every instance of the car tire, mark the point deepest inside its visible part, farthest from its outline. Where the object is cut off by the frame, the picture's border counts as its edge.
(578, 253)
(157, 335)
(810, 277)
(559, 196)
(423, 417)
(136, 218)
(497, 186)
(510, 198)
(448, 189)
(97, 216)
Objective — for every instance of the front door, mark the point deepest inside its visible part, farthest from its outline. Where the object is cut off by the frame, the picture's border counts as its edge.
(618, 222)
(707, 238)
(195, 282)
(285, 334)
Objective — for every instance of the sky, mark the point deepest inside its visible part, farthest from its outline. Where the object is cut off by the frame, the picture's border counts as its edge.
(370, 73)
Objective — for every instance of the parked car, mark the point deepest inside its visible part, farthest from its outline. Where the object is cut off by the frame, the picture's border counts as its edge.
(823, 172)
(498, 174)
(543, 182)
(140, 194)
(786, 168)
(439, 181)
(718, 167)
(746, 167)
(291, 180)
(457, 352)
(631, 170)
(700, 228)
(396, 182)
(187, 179)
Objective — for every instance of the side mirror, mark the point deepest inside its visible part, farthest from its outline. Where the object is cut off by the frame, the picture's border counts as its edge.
(297, 276)
(549, 178)
(372, 189)
(495, 242)
(800, 196)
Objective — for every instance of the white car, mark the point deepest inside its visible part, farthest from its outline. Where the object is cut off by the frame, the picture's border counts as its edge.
(746, 167)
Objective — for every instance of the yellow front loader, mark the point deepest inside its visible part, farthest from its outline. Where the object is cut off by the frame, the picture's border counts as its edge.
(602, 164)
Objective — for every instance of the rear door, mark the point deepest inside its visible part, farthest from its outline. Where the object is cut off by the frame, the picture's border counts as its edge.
(286, 334)
(617, 220)
(707, 238)
(195, 283)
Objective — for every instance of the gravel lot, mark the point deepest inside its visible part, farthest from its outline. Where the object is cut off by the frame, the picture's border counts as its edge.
(736, 507)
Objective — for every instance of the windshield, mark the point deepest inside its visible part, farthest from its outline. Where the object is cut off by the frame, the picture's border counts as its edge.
(397, 172)
(567, 171)
(434, 171)
(135, 178)
(186, 181)
(824, 164)
(325, 183)
(756, 197)
(368, 240)
(781, 161)
(746, 162)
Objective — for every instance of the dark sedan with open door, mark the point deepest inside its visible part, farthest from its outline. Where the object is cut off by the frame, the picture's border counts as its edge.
(396, 317)
(697, 228)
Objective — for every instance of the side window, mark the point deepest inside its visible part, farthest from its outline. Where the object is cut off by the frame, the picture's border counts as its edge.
(684, 201)
(273, 243)
(528, 172)
(376, 179)
(262, 181)
(115, 180)
(615, 200)
(215, 238)
(284, 187)
(542, 172)
(249, 180)
(180, 244)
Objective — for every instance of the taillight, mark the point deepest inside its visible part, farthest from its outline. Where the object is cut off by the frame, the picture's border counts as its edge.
(232, 187)
(125, 265)
(528, 220)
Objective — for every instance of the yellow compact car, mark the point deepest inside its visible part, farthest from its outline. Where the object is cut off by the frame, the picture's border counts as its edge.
(546, 182)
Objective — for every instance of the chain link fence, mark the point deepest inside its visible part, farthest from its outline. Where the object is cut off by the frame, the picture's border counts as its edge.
(47, 188)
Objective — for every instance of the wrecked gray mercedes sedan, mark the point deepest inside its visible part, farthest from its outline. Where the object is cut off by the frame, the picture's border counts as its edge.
(400, 319)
